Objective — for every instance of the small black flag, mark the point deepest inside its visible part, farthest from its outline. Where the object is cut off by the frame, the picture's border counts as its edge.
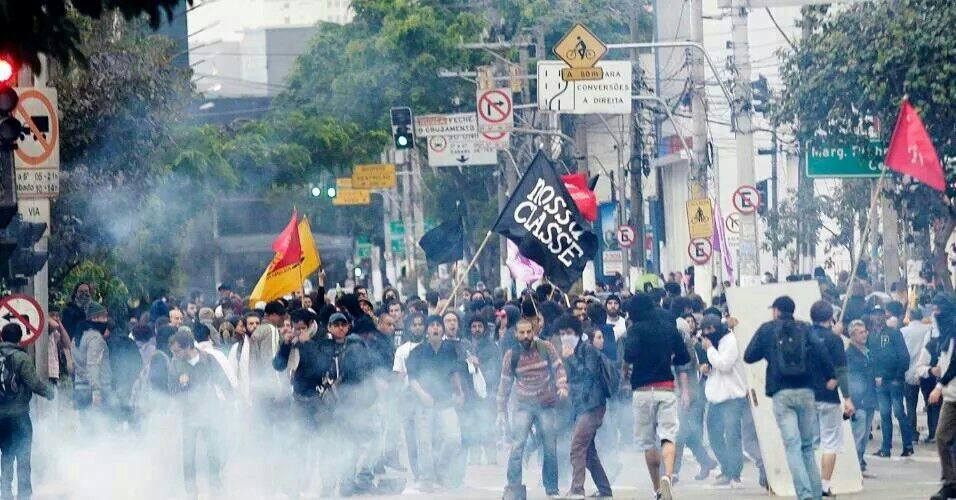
(543, 220)
(444, 243)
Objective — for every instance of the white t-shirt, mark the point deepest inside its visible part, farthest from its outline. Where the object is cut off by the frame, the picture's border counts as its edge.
(401, 356)
(620, 327)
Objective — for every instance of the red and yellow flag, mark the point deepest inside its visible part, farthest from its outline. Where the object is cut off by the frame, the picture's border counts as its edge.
(295, 259)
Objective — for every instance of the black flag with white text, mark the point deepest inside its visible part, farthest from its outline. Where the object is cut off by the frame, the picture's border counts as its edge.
(543, 220)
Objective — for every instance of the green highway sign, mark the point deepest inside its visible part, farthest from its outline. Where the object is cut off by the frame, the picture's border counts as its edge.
(845, 161)
(363, 247)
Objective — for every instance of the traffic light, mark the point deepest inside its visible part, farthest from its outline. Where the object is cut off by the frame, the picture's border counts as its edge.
(17, 257)
(403, 132)
(318, 190)
(761, 95)
(10, 129)
(764, 199)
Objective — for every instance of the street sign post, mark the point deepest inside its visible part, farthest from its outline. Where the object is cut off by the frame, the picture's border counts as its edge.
(609, 95)
(38, 182)
(700, 219)
(453, 124)
(845, 162)
(732, 223)
(699, 250)
(613, 261)
(374, 176)
(459, 151)
(626, 236)
(25, 311)
(746, 200)
(495, 110)
(580, 49)
(39, 146)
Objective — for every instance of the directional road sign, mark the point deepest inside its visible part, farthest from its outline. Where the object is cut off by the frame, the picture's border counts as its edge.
(495, 110)
(746, 199)
(25, 311)
(454, 124)
(845, 162)
(375, 176)
(700, 250)
(460, 150)
(609, 95)
(700, 218)
(39, 144)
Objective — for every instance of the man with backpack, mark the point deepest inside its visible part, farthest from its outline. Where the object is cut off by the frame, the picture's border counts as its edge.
(591, 379)
(537, 374)
(653, 347)
(793, 358)
(18, 382)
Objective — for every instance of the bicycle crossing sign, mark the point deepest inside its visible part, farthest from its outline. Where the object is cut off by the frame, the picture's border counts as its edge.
(580, 49)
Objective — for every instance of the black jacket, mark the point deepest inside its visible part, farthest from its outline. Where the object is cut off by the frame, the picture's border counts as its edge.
(585, 383)
(489, 357)
(653, 345)
(762, 347)
(125, 364)
(889, 354)
(315, 362)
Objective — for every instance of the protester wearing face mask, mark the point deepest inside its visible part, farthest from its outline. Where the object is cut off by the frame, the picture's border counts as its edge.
(74, 314)
(588, 396)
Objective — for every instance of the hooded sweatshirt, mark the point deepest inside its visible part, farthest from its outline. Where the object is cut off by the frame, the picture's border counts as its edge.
(915, 335)
(30, 382)
(728, 377)
(652, 346)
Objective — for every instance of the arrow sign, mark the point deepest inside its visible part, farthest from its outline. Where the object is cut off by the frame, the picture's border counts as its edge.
(25, 311)
(462, 159)
(495, 110)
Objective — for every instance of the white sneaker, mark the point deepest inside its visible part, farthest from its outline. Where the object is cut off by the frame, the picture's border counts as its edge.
(666, 492)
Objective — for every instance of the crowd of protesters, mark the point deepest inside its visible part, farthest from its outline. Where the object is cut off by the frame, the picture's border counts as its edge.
(366, 396)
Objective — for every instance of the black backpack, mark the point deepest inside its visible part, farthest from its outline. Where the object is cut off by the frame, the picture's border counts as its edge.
(9, 380)
(791, 343)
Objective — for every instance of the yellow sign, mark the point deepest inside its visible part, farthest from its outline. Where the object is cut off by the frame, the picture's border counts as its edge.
(700, 218)
(580, 48)
(349, 196)
(581, 74)
(377, 176)
(343, 183)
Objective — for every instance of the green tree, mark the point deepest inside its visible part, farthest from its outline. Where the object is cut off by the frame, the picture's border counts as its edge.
(845, 81)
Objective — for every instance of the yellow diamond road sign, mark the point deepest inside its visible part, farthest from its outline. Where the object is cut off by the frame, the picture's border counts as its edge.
(580, 48)
(700, 218)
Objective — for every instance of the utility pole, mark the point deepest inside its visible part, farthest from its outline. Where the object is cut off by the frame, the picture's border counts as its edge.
(698, 170)
(418, 216)
(743, 112)
(636, 160)
(409, 223)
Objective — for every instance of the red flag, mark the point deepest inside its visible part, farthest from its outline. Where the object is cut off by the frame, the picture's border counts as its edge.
(584, 198)
(287, 246)
(911, 151)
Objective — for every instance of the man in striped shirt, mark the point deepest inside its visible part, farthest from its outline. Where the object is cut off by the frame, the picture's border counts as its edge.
(535, 370)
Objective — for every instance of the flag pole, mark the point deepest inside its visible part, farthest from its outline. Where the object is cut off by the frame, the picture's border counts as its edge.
(459, 281)
(874, 199)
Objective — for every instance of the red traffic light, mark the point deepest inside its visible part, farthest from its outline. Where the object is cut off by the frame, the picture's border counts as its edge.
(7, 70)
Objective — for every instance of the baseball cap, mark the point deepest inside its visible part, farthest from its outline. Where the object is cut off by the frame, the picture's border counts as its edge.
(338, 317)
(784, 304)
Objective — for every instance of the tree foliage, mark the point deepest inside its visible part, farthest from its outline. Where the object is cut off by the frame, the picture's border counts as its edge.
(845, 81)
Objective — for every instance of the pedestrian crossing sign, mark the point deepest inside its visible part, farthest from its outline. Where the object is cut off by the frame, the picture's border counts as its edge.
(700, 218)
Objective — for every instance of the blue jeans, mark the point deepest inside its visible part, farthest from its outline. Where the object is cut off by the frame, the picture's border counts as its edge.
(543, 420)
(690, 433)
(890, 396)
(724, 426)
(861, 422)
(796, 414)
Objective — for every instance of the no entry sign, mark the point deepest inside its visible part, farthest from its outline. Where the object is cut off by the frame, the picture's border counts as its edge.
(25, 311)
(495, 110)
